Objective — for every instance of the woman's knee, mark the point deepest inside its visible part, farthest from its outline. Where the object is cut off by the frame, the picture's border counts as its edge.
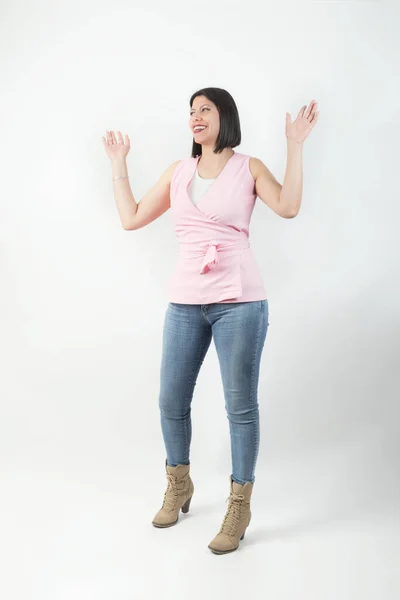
(243, 414)
(169, 408)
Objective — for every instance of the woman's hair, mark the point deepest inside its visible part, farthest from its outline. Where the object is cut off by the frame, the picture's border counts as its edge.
(229, 133)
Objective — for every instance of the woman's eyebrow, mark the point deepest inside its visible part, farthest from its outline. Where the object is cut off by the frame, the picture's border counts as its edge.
(202, 106)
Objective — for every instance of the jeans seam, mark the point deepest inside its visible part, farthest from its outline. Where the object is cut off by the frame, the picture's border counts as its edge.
(257, 429)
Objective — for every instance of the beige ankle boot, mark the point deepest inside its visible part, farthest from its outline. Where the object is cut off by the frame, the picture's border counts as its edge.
(236, 520)
(177, 496)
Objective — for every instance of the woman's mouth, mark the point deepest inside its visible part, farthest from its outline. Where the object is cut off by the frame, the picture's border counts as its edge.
(195, 130)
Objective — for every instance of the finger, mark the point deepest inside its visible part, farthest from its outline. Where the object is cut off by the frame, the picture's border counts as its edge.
(109, 137)
(311, 109)
(301, 111)
(314, 112)
(315, 117)
(114, 141)
(308, 111)
(119, 137)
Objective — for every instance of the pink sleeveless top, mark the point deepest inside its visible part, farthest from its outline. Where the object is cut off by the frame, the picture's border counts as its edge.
(215, 262)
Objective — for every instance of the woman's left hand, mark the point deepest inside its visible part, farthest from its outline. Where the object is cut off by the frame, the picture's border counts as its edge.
(301, 127)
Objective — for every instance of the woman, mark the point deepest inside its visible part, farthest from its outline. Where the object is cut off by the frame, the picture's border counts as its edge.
(215, 291)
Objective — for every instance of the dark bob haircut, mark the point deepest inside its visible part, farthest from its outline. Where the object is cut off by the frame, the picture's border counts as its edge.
(229, 132)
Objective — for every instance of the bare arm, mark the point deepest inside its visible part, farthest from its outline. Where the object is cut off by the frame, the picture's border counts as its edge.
(156, 202)
(285, 199)
(267, 188)
(135, 215)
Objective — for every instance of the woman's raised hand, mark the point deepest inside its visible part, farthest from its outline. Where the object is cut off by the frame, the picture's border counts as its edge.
(305, 121)
(115, 146)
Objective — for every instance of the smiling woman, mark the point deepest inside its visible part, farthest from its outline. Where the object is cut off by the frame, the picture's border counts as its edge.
(215, 290)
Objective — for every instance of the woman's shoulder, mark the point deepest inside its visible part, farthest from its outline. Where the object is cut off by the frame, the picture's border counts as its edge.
(251, 164)
(255, 166)
(178, 167)
(180, 164)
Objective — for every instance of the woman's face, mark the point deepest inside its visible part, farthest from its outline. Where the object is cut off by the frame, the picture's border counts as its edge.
(204, 113)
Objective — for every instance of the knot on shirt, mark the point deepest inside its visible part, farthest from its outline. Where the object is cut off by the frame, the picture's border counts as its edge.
(210, 258)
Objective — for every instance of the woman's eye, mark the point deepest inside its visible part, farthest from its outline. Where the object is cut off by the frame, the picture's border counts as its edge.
(204, 108)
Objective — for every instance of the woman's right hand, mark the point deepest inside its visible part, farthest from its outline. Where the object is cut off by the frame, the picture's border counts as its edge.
(115, 147)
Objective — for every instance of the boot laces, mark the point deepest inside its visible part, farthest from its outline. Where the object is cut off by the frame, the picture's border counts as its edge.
(232, 516)
(171, 493)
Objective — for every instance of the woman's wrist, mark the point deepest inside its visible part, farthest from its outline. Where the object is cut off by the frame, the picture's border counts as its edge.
(293, 143)
(119, 169)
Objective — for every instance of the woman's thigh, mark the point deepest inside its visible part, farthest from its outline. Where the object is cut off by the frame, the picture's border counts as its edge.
(239, 331)
(186, 339)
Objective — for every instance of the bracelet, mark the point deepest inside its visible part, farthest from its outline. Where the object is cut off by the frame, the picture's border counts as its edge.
(120, 177)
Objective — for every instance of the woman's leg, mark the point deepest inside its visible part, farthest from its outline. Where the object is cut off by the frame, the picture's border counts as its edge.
(186, 339)
(239, 331)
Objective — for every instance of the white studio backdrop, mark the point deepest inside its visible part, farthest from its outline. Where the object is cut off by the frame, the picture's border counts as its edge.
(83, 302)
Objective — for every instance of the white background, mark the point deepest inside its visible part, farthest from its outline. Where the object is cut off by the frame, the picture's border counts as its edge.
(83, 303)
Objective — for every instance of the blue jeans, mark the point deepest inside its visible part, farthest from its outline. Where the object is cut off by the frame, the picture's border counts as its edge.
(239, 330)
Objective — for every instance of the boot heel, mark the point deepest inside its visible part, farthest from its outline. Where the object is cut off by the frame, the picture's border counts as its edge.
(242, 538)
(185, 507)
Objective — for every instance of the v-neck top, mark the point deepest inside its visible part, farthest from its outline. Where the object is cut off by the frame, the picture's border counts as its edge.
(215, 262)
